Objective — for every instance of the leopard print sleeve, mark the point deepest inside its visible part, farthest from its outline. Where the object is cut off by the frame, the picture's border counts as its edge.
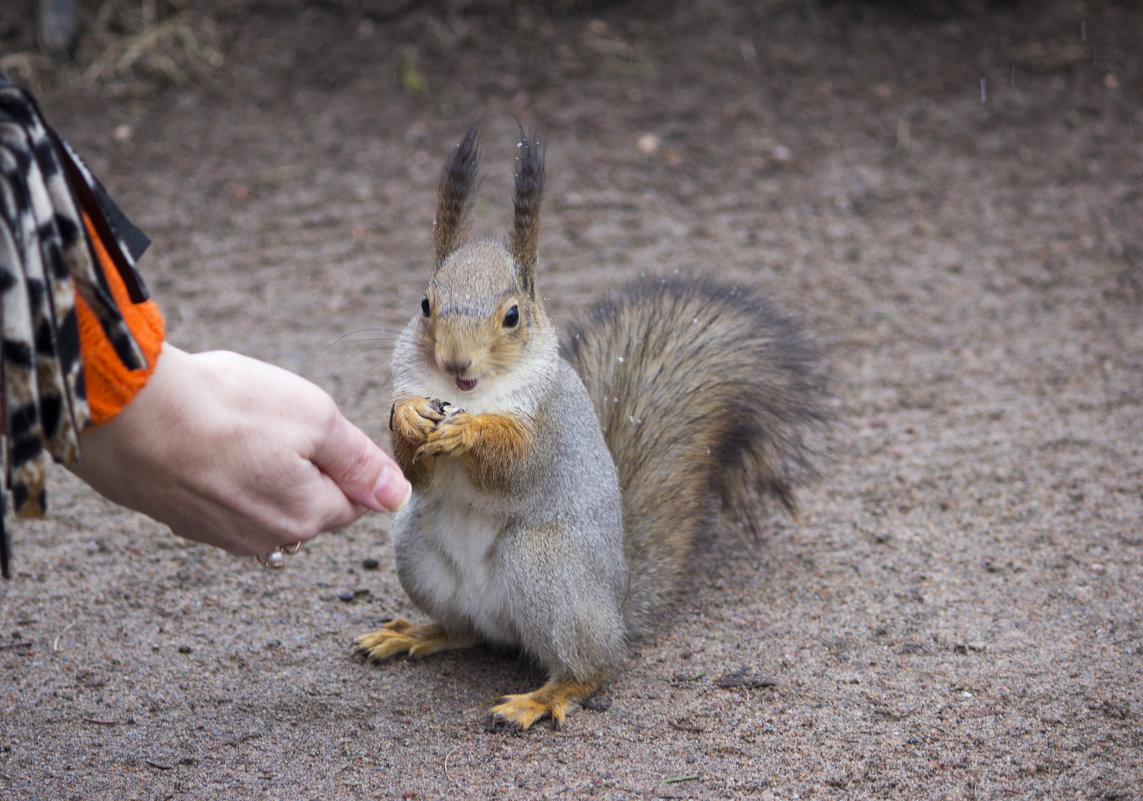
(46, 260)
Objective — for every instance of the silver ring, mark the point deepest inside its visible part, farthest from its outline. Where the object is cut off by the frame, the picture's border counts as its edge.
(273, 560)
(276, 559)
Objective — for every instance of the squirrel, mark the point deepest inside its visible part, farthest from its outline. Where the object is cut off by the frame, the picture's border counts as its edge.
(557, 489)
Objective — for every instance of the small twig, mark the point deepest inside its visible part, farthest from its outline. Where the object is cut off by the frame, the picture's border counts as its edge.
(676, 779)
(18, 644)
(158, 765)
(446, 773)
(66, 629)
(99, 722)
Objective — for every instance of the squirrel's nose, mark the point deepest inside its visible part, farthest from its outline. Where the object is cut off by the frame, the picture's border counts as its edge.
(455, 366)
(451, 354)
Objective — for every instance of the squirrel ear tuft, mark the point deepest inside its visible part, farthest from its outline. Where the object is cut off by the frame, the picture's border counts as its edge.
(524, 241)
(456, 190)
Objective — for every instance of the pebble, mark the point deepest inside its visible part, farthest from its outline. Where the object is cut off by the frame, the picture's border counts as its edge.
(597, 703)
(648, 143)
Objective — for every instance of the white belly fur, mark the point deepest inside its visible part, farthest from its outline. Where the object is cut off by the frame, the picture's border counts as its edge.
(455, 567)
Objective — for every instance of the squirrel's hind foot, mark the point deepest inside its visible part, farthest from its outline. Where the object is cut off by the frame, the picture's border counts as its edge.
(550, 701)
(399, 636)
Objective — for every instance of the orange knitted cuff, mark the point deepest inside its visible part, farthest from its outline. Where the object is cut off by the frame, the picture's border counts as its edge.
(111, 386)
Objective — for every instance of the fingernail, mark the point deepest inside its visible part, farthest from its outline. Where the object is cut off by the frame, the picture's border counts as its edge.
(405, 501)
(392, 490)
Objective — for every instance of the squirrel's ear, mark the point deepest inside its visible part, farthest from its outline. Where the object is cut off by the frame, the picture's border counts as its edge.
(456, 189)
(523, 242)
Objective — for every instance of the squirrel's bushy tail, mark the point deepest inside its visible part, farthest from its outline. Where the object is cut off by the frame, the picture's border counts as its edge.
(705, 395)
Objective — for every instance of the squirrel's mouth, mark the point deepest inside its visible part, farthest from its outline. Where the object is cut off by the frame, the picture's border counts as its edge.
(466, 384)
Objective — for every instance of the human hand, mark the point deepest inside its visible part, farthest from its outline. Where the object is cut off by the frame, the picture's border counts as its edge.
(237, 453)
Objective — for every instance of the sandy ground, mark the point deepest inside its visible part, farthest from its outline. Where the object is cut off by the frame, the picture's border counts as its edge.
(950, 200)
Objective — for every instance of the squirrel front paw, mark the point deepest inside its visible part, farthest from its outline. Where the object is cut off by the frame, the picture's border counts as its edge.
(452, 435)
(415, 418)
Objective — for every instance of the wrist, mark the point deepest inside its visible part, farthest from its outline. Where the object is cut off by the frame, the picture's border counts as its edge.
(109, 385)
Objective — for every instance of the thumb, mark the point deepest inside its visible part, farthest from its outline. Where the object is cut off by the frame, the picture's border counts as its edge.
(366, 474)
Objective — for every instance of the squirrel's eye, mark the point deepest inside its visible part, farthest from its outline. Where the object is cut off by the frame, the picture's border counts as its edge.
(512, 317)
(425, 305)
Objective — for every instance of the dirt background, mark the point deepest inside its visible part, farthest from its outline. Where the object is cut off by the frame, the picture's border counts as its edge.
(949, 197)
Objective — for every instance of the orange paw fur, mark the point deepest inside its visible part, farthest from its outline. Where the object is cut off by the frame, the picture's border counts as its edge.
(550, 701)
(399, 636)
